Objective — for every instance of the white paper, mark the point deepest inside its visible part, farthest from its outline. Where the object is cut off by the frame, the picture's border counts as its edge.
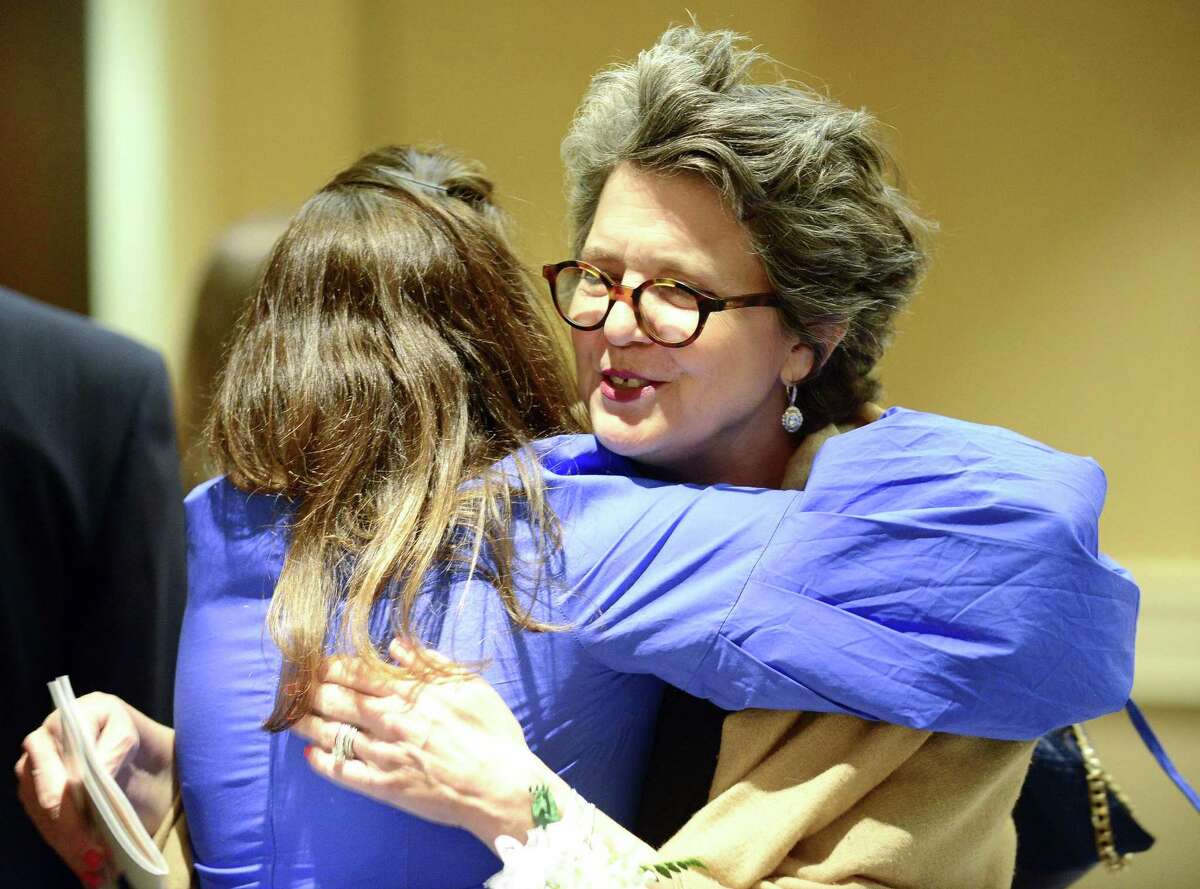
(133, 849)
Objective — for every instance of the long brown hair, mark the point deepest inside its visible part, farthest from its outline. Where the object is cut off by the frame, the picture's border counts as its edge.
(393, 351)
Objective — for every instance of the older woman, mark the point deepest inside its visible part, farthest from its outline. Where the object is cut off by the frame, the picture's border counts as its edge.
(388, 383)
(694, 191)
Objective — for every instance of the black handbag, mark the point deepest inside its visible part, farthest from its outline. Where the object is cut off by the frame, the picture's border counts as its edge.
(1070, 815)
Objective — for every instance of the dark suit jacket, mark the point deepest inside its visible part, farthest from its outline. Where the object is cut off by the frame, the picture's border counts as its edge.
(92, 571)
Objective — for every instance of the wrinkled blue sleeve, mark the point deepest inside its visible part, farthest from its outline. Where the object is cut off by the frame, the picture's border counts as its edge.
(935, 574)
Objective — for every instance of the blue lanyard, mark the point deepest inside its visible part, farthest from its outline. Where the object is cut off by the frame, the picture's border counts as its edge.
(1155, 746)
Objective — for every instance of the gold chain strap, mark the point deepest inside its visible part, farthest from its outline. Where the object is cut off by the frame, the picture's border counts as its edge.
(1099, 784)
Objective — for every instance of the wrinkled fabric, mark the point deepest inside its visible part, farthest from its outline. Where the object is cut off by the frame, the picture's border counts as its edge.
(934, 573)
(951, 581)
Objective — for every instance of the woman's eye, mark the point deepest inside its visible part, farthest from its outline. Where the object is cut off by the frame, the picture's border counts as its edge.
(679, 297)
(592, 284)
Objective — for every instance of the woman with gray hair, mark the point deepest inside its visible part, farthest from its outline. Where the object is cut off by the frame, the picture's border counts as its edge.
(806, 178)
(694, 191)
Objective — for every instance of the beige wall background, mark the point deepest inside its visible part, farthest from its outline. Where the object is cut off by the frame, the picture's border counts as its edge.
(1056, 144)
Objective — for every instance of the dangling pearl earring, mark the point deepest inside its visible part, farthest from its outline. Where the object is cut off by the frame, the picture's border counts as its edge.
(792, 418)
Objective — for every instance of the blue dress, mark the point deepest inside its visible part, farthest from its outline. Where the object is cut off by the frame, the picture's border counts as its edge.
(935, 573)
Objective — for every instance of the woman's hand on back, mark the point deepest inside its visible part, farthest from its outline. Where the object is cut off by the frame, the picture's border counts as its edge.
(137, 751)
(447, 750)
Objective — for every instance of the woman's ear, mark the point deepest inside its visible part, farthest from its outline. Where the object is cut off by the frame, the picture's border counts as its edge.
(801, 362)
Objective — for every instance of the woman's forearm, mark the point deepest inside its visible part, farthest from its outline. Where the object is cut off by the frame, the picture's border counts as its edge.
(510, 811)
(506, 810)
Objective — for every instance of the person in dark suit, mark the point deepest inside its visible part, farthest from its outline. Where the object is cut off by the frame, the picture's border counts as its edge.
(91, 534)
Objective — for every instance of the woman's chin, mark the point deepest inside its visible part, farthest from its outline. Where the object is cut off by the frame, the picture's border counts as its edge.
(622, 437)
(635, 431)
(618, 444)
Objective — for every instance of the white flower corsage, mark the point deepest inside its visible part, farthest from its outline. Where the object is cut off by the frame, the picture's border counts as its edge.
(562, 853)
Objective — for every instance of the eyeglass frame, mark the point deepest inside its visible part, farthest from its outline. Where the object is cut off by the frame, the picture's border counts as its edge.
(706, 303)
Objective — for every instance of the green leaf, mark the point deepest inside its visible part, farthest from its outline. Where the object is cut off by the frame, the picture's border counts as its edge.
(667, 868)
(545, 810)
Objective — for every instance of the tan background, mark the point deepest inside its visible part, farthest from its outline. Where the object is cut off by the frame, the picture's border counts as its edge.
(1057, 144)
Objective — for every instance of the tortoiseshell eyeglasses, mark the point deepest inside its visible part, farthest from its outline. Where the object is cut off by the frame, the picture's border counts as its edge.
(672, 313)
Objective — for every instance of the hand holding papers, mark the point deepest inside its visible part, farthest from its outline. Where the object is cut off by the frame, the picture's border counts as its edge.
(134, 852)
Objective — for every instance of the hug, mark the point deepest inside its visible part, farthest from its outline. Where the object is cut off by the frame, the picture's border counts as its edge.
(442, 565)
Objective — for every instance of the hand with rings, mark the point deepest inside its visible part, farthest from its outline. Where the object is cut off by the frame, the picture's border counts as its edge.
(343, 743)
(446, 749)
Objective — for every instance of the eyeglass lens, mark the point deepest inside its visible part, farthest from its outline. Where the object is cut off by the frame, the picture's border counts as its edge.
(669, 314)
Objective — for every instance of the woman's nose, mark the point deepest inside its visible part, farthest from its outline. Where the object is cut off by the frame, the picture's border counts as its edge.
(621, 327)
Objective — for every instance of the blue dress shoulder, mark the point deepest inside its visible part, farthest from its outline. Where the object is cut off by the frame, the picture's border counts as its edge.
(935, 573)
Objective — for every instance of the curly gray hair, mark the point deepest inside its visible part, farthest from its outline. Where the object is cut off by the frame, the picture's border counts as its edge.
(807, 177)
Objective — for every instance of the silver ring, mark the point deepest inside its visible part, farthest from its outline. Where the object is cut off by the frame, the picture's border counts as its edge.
(343, 743)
